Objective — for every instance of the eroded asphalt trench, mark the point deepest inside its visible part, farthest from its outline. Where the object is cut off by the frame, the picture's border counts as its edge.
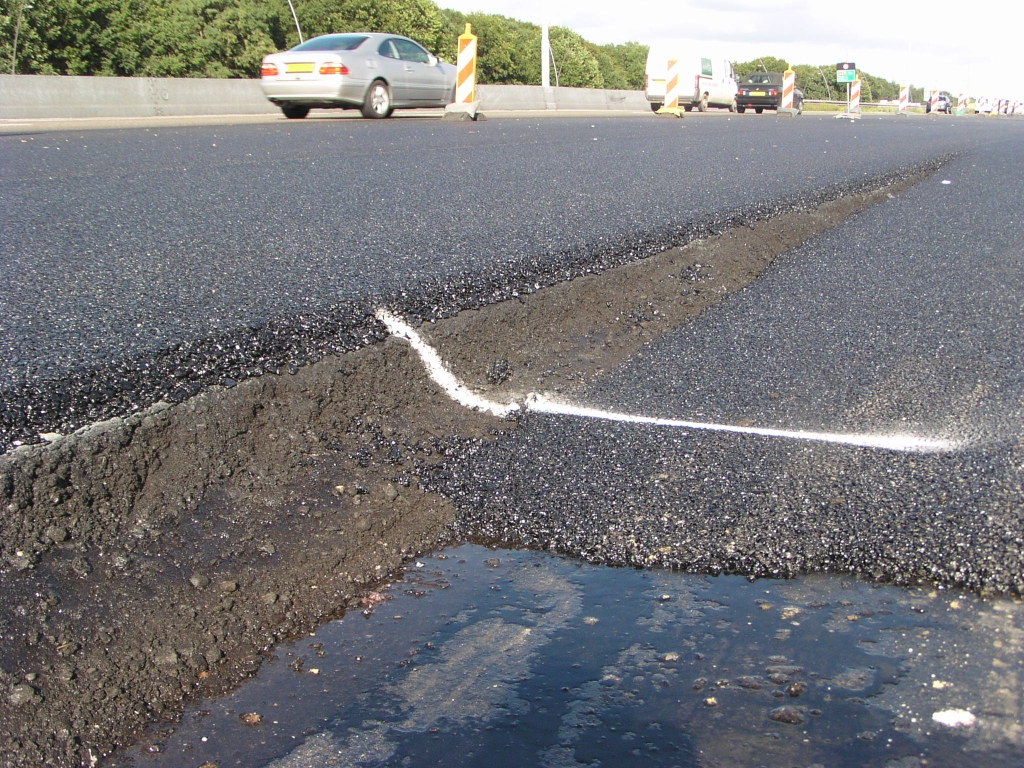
(267, 455)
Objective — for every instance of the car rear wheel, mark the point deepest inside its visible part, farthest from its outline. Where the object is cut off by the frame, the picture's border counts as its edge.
(295, 112)
(688, 107)
(759, 110)
(377, 103)
(741, 110)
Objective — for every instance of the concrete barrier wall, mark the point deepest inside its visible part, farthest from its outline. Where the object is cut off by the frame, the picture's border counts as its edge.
(39, 96)
(521, 97)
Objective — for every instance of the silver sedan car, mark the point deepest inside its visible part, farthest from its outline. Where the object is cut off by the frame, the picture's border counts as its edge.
(377, 73)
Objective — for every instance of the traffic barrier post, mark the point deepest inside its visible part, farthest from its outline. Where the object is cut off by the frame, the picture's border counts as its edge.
(465, 106)
(671, 105)
(788, 87)
(904, 99)
(855, 96)
(933, 99)
(961, 104)
(465, 89)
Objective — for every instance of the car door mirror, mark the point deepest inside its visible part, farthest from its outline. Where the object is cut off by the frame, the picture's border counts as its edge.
(432, 60)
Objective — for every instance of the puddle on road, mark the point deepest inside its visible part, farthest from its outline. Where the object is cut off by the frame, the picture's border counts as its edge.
(507, 658)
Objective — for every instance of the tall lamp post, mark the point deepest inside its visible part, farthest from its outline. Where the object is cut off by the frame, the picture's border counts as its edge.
(297, 27)
(17, 28)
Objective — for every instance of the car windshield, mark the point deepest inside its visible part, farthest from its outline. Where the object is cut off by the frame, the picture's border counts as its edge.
(332, 43)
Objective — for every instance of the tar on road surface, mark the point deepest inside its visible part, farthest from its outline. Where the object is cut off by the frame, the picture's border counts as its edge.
(143, 268)
(145, 265)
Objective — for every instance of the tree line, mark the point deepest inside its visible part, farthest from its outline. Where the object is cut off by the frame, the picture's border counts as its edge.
(228, 38)
(819, 82)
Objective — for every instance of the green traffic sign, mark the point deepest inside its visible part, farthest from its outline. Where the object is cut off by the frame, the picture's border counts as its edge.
(846, 72)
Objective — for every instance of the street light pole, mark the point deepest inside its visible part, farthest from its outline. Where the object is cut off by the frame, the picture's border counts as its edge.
(296, 21)
(17, 28)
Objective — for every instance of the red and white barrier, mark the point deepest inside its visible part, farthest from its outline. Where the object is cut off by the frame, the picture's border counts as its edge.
(465, 78)
(961, 104)
(855, 95)
(788, 84)
(933, 99)
(904, 98)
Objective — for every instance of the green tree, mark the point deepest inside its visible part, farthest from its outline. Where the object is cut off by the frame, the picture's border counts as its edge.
(622, 66)
(418, 19)
(763, 64)
(507, 50)
(574, 66)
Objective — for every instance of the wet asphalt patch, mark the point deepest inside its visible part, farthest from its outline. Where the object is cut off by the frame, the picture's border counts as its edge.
(477, 656)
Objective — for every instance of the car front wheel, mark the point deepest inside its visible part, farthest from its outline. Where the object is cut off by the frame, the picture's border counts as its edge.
(377, 103)
(295, 112)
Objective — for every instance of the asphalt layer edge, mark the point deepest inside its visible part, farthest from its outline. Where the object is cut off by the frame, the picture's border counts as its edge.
(156, 557)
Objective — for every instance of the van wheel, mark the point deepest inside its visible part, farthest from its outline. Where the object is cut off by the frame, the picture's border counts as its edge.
(703, 106)
(655, 106)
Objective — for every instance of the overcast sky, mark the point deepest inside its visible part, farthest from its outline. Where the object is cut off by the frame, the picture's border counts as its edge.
(972, 46)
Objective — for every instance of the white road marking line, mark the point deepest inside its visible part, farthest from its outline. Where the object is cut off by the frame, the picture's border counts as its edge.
(908, 443)
(542, 404)
(456, 390)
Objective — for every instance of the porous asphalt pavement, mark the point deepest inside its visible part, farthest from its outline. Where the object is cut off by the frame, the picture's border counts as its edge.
(146, 264)
(906, 318)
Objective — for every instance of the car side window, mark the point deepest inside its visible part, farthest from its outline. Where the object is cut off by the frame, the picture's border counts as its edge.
(410, 51)
(387, 49)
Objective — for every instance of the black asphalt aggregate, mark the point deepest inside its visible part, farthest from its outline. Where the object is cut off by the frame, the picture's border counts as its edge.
(908, 318)
(146, 264)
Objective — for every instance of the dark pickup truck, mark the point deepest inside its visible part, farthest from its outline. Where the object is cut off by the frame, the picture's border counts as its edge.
(763, 90)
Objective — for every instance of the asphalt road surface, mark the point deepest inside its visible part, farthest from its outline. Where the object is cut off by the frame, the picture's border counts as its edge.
(149, 264)
(905, 319)
(145, 264)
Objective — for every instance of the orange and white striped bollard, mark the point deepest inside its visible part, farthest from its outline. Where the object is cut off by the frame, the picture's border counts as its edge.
(961, 104)
(671, 105)
(933, 100)
(672, 85)
(465, 77)
(788, 85)
(904, 98)
(855, 96)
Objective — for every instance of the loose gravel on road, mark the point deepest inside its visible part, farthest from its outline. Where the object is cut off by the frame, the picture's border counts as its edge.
(203, 298)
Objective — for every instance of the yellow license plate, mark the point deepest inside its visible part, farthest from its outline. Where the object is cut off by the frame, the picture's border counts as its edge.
(301, 68)
(752, 93)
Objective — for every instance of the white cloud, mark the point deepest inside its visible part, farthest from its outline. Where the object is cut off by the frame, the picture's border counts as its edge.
(964, 47)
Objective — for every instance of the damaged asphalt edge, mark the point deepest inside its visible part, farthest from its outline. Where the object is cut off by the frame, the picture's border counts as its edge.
(152, 558)
(173, 374)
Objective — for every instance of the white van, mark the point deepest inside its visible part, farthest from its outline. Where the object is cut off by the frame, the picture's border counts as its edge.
(704, 82)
